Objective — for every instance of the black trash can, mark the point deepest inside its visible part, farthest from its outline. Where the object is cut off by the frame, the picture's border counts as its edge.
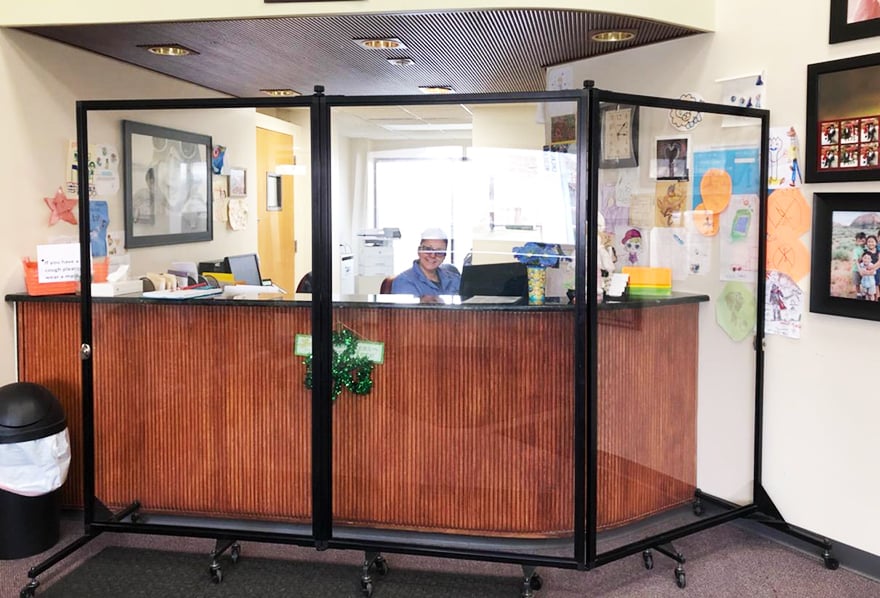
(29, 524)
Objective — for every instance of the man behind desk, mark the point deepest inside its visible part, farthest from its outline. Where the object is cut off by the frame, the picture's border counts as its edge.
(429, 276)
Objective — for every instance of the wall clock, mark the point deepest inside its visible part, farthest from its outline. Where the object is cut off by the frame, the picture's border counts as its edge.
(619, 131)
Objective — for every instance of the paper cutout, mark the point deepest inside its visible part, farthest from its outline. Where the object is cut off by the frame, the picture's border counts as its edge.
(99, 219)
(217, 156)
(62, 207)
(739, 239)
(785, 305)
(788, 213)
(715, 188)
(736, 310)
(704, 221)
(686, 120)
(742, 164)
(633, 248)
(788, 255)
(669, 250)
(103, 165)
(670, 203)
(238, 213)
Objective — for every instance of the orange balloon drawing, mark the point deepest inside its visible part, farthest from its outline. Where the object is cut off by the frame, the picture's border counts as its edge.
(716, 188)
(706, 221)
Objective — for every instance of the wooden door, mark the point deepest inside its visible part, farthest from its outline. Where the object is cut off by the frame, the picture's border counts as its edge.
(275, 239)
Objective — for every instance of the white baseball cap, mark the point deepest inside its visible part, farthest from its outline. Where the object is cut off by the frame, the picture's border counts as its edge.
(434, 233)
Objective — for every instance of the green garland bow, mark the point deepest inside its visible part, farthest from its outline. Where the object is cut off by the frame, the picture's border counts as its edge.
(348, 369)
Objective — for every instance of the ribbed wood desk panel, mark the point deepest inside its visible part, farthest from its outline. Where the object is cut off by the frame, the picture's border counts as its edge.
(469, 428)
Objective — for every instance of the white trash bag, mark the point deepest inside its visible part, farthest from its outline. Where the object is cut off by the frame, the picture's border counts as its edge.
(35, 467)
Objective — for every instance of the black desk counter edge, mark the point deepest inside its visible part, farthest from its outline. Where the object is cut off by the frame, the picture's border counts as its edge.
(371, 301)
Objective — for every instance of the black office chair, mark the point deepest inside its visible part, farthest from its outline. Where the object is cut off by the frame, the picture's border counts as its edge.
(305, 284)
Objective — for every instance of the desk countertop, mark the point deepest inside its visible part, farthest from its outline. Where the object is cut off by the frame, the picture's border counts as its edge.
(376, 301)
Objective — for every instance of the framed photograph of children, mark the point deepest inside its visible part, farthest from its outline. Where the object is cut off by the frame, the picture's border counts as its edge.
(845, 266)
(843, 120)
(853, 19)
(237, 182)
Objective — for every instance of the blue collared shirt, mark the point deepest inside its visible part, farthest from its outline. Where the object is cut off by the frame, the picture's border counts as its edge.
(414, 281)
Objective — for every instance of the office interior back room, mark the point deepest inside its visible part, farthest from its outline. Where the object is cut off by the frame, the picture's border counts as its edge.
(475, 171)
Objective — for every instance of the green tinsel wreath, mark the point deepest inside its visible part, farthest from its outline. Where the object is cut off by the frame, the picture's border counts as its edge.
(348, 370)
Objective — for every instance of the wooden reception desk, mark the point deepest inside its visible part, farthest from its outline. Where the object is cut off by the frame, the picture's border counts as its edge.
(200, 408)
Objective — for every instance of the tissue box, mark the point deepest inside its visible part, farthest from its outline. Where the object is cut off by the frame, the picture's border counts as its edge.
(119, 287)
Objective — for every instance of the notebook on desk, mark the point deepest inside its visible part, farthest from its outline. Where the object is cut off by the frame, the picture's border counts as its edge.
(203, 291)
(494, 283)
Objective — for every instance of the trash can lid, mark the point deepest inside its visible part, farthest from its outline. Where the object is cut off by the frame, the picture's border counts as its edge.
(29, 411)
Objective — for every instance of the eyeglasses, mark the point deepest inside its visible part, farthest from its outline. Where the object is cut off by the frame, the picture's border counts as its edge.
(432, 251)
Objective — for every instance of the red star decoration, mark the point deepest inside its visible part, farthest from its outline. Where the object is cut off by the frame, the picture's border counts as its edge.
(61, 207)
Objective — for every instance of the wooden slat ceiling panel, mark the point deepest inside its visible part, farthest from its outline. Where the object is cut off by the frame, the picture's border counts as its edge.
(472, 51)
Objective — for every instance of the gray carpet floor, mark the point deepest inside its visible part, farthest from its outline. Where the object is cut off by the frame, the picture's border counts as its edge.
(726, 561)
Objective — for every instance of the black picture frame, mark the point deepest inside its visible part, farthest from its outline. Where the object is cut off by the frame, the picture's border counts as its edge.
(837, 92)
(165, 204)
(632, 159)
(832, 286)
(840, 29)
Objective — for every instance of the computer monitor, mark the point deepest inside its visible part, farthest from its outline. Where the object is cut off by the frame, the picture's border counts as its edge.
(245, 268)
(508, 279)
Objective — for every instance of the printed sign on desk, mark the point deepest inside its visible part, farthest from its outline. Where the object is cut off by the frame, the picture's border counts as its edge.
(58, 262)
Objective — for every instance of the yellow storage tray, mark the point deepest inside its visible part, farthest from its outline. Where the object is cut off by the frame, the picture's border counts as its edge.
(645, 276)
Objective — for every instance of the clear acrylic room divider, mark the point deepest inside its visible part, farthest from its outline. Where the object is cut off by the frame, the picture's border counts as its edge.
(679, 199)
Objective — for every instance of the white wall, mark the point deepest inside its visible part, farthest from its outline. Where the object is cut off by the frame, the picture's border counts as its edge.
(820, 452)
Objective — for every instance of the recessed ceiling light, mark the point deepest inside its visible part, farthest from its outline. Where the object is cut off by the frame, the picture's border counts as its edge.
(436, 89)
(168, 49)
(401, 61)
(613, 36)
(280, 92)
(380, 43)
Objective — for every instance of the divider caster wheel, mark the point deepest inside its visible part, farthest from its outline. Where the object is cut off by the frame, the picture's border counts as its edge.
(830, 562)
(648, 559)
(536, 581)
(680, 579)
(216, 574)
(381, 566)
(698, 507)
(30, 590)
(367, 588)
(235, 552)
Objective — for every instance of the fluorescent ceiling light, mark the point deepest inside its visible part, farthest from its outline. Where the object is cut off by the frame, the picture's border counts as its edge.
(280, 92)
(402, 61)
(429, 127)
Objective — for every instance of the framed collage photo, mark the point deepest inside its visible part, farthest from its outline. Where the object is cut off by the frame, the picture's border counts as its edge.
(845, 252)
(843, 120)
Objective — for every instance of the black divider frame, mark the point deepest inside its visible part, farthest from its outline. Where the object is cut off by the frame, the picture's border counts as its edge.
(98, 519)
